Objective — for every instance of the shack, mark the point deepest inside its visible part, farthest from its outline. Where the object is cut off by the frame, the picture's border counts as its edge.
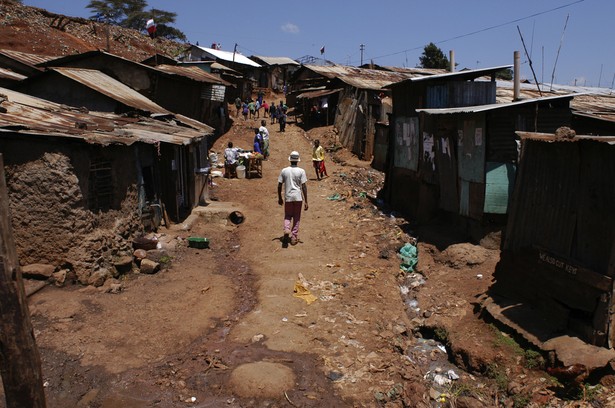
(249, 69)
(84, 183)
(555, 276)
(192, 95)
(453, 148)
(349, 98)
(276, 71)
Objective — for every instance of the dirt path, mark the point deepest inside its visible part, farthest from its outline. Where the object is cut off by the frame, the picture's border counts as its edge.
(222, 327)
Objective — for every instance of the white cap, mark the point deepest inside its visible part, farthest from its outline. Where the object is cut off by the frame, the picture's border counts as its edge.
(294, 156)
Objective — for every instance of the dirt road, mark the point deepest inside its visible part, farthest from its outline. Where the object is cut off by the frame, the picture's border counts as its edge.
(223, 327)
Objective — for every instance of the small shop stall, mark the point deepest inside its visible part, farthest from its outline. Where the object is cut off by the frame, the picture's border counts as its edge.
(253, 162)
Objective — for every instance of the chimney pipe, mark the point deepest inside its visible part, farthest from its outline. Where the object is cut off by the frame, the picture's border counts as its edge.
(517, 75)
(452, 60)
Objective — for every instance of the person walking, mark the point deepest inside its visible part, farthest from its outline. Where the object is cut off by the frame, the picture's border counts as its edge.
(238, 104)
(265, 135)
(294, 180)
(318, 160)
(273, 113)
(281, 113)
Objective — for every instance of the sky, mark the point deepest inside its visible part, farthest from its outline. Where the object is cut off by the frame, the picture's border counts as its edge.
(568, 42)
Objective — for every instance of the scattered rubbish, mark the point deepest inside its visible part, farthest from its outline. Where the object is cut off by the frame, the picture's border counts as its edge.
(479, 276)
(441, 379)
(334, 375)
(198, 242)
(216, 173)
(285, 319)
(335, 197)
(452, 375)
(409, 257)
(257, 337)
(363, 194)
(303, 293)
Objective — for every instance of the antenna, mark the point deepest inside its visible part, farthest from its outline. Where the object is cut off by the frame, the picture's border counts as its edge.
(530, 61)
(560, 47)
(600, 77)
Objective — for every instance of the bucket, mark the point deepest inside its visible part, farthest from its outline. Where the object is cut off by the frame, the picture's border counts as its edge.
(241, 171)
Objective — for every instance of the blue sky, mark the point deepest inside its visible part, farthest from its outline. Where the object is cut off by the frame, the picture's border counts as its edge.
(482, 33)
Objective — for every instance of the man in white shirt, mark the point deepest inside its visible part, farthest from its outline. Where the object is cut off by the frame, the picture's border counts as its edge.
(294, 180)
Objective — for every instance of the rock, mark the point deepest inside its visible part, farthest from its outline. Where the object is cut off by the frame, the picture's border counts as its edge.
(122, 265)
(469, 402)
(98, 278)
(38, 271)
(59, 278)
(112, 286)
(140, 254)
(157, 255)
(148, 266)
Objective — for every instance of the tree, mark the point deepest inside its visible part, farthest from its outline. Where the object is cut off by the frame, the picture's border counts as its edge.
(505, 74)
(433, 57)
(132, 14)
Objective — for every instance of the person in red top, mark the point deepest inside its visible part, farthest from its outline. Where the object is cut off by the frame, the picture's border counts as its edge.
(265, 108)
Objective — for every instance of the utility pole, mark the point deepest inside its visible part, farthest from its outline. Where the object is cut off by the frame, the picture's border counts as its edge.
(362, 48)
(20, 362)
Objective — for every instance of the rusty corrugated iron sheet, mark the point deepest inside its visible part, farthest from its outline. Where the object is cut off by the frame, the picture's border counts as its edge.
(483, 108)
(192, 72)
(27, 58)
(590, 102)
(33, 116)
(110, 87)
(360, 78)
(318, 93)
(8, 74)
(550, 137)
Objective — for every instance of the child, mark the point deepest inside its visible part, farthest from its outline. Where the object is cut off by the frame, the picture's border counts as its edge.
(318, 160)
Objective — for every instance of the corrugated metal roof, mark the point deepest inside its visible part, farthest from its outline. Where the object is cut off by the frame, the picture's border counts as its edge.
(28, 115)
(550, 137)
(597, 103)
(192, 72)
(277, 60)
(483, 108)
(318, 93)
(359, 77)
(8, 74)
(459, 75)
(108, 86)
(26, 58)
(230, 56)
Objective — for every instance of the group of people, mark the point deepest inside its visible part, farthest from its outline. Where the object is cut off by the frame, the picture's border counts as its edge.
(250, 109)
(292, 180)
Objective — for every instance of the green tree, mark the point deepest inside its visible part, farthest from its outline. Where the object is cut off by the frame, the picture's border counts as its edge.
(132, 14)
(433, 57)
(506, 74)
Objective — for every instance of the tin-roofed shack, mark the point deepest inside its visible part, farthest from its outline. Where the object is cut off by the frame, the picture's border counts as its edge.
(453, 148)
(275, 71)
(198, 97)
(85, 183)
(350, 98)
(557, 264)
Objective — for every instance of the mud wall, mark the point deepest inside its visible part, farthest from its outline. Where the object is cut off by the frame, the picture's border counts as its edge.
(52, 218)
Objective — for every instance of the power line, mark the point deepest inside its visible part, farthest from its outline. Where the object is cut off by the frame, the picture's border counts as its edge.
(484, 29)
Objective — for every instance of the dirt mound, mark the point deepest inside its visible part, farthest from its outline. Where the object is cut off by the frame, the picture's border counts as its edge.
(262, 379)
(37, 31)
(463, 255)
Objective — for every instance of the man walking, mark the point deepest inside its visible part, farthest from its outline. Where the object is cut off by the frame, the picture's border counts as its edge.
(294, 180)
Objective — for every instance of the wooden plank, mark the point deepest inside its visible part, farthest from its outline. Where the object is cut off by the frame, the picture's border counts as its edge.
(574, 271)
(20, 362)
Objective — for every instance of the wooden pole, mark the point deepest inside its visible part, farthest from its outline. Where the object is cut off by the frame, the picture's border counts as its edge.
(20, 362)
